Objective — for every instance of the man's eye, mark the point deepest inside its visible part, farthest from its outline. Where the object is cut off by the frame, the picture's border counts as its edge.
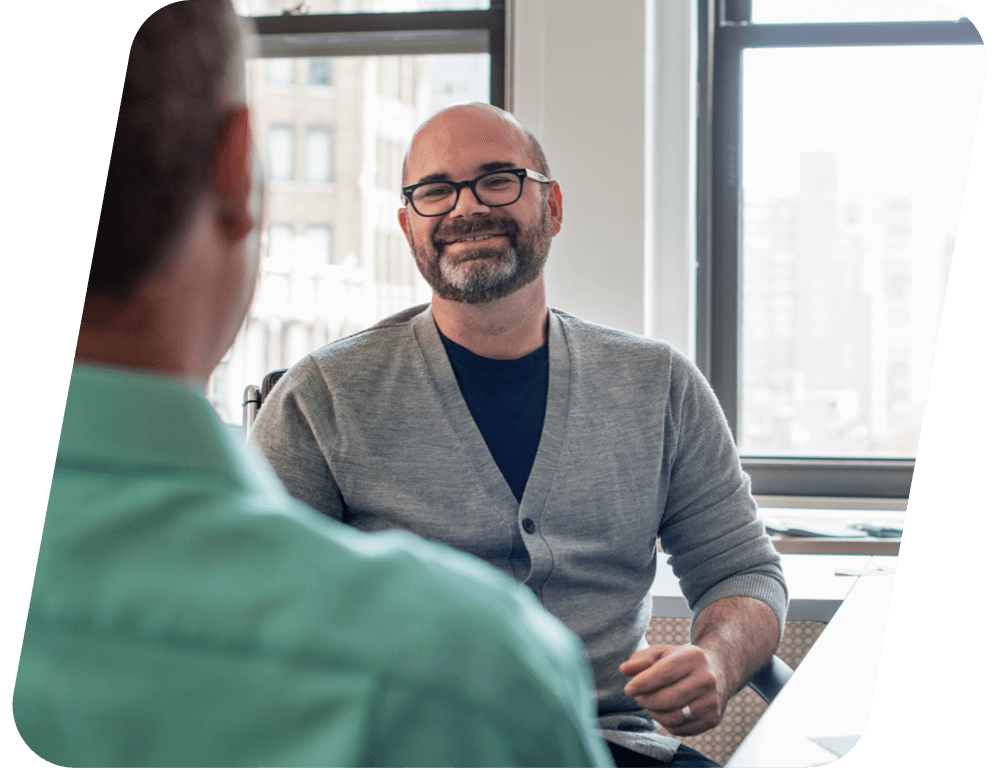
(497, 182)
(434, 191)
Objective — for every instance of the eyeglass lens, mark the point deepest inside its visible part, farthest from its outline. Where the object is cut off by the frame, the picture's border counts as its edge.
(498, 189)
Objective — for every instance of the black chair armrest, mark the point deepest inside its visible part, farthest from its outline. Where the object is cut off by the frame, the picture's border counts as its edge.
(767, 682)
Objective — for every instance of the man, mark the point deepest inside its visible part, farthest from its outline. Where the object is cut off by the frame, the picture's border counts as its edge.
(185, 610)
(554, 449)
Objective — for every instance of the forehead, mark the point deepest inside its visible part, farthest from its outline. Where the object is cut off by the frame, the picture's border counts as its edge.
(458, 143)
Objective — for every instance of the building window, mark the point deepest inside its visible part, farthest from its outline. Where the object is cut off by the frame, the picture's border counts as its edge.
(835, 196)
(279, 240)
(281, 152)
(281, 72)
(319, 161)
(320, 240)
(318, 72)
(389, 164)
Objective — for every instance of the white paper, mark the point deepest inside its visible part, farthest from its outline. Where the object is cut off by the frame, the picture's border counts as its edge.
(838, 744)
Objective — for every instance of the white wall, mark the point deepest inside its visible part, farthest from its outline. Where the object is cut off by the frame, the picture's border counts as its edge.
(614, 116)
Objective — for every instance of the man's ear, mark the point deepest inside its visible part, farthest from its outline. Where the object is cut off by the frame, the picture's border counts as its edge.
(555, 203)
(232, 174)
(404, 223)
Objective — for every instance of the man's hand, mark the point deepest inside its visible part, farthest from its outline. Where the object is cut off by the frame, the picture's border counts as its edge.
(733, 638)
(668, 678)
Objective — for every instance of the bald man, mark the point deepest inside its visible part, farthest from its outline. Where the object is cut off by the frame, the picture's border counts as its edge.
(554, 449)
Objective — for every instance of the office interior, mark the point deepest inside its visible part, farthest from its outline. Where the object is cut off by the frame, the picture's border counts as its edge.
(631, 261)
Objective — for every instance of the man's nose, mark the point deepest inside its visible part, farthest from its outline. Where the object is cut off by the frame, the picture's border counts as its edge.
(468, 204)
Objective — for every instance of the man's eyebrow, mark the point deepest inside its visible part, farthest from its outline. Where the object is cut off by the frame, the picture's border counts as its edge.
(484, 168)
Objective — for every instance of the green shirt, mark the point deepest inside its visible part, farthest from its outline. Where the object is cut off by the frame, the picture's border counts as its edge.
(186, 611)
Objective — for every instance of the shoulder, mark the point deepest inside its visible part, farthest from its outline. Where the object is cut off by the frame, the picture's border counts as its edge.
(581, 332)
(616, 348)
(456, 623)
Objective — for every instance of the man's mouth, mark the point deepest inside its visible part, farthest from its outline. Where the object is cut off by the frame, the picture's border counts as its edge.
(478, 237)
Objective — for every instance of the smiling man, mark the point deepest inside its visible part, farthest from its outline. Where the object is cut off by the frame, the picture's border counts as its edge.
(483, 251)
(554, 449)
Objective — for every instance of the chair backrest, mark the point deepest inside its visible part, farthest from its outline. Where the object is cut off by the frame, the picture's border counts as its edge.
(253, 398)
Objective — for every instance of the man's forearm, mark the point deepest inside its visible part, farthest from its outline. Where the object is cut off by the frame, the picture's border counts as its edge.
(741, 634)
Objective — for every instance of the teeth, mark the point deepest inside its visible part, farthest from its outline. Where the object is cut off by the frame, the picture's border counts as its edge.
(477, 238)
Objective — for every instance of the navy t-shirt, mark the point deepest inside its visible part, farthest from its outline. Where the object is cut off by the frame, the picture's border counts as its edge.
(507, 401)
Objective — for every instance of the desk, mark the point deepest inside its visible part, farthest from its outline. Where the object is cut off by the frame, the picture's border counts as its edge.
(830, 522)
(830, 692)
(872, 546)
(815, 593)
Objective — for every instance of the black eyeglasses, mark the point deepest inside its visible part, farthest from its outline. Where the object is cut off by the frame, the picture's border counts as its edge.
(493, 189)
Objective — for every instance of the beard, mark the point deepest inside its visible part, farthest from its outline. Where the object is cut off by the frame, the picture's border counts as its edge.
(484, 275)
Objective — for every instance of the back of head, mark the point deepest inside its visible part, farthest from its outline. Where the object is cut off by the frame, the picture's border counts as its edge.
(185, 71)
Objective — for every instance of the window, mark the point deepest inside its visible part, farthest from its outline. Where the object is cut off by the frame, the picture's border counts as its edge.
(838, 139)
(367, 80)
(320, 240)
(318, 72)
(281, 72)
(388, 174)
(319, 161)
(279, 241)
(281, 152)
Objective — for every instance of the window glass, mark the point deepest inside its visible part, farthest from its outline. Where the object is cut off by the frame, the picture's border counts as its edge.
(334, 260)
(281, 152)
(279, 243)
(815, 11)
(320, 240)
(318, 166)
(318, 72)
(854, 168)
(281, 72)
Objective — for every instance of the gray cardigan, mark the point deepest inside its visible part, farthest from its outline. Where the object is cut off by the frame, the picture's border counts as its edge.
(373, 430)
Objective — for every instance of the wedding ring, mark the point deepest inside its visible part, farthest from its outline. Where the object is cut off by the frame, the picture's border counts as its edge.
(688, 717)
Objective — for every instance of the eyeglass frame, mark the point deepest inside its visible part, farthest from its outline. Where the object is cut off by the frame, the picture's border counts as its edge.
(520, 173)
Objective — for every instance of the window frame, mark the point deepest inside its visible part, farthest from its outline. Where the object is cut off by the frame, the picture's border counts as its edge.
(393, 34)
(725, 30)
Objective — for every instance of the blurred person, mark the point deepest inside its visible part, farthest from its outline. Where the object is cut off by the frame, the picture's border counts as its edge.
(554, 449)
(185, 610)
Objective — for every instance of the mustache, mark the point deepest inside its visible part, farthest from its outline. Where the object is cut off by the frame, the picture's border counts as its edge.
(465, 228)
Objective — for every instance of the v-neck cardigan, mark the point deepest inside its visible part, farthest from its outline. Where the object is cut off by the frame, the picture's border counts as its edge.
(374, 431)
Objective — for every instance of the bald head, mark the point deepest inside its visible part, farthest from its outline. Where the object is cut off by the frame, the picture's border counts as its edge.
(475, 121)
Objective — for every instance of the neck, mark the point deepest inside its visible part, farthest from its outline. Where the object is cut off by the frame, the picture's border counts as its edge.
(507, 328)
(135, 336)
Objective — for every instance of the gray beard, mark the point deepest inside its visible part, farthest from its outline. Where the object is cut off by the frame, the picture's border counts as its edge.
(487, 275)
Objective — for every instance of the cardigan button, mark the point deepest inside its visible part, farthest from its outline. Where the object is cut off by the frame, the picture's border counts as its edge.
(529, 526)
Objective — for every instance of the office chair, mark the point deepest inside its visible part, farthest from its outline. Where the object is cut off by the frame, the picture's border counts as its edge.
(253, 398)
(767, 682)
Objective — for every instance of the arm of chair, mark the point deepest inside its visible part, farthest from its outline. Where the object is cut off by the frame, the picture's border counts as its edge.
(767, 682)
(251, 405)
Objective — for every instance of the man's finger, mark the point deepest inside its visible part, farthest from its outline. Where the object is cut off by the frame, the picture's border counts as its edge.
(663, 673)
(705, 715)
(635, 665)
(643, 659)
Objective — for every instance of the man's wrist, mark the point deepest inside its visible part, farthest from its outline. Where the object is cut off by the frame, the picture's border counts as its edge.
(738, 635)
